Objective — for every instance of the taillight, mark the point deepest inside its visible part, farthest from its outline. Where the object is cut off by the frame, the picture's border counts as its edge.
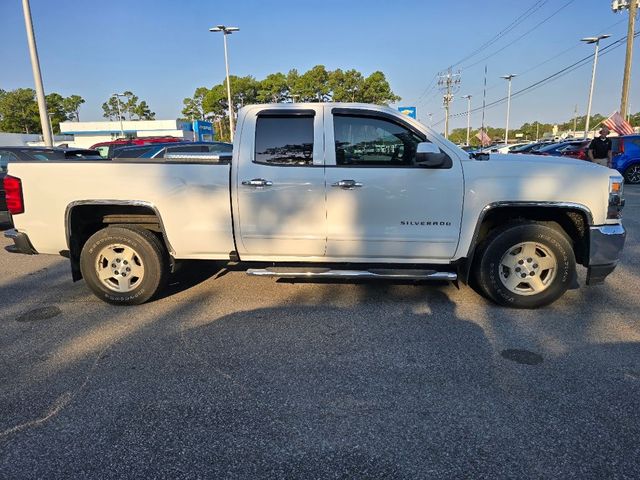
(13, 195)
(621, 145)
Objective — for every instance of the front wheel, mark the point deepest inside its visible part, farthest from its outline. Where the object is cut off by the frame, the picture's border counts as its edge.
(525, 265)
(632, 174)
(124, 265)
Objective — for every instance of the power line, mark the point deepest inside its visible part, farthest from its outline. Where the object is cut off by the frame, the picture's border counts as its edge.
(536, 6)
(512, 42)
(430, 89)
(550, 59)
(566, 70)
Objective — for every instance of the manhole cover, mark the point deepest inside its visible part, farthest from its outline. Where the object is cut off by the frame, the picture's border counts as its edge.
(522, 356)
(37, 314)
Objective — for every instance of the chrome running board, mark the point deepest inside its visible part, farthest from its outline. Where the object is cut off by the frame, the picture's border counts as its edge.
(383, 274)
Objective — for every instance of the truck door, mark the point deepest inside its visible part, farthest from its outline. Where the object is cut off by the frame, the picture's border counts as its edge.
(380, 205)
(280, 191)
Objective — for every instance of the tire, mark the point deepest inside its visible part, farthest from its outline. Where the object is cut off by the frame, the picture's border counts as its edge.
(632, 174)
(124, 265)
(525, 265)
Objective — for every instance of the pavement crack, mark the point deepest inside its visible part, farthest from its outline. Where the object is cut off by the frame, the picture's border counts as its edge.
(59, 403)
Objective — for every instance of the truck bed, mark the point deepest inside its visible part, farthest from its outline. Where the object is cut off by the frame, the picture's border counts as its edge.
(192, 200)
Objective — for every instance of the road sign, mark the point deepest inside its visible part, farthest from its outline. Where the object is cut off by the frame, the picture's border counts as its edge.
(409, 111)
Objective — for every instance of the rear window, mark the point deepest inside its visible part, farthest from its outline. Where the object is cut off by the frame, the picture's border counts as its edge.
(132, 152)
(44, 155)
(221, 148)
(82, 155)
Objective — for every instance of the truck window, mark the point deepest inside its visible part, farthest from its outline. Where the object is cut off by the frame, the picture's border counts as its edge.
(5, 158)
(284, 140)
(370, 141)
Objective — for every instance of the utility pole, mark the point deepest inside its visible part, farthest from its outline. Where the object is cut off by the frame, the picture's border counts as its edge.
(632, 6)
(537, 131)
(37, 75)
(508, 78)
(227, 31)
(575, 120)
(468, 97)
(591, 40)
(449, 83)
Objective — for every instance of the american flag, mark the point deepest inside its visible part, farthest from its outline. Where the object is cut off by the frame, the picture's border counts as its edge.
(618, 124)
(484, 138)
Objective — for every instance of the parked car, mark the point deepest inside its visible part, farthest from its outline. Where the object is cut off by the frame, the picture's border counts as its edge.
(531, 147)
(577, 150)
(160, 150)
(626, 156)
(334, 190)
(106, 148)
(555, 149)
(42, 154)
(511, 147)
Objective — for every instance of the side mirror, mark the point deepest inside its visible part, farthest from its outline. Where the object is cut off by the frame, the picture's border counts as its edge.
(479, 156)
(428, 155)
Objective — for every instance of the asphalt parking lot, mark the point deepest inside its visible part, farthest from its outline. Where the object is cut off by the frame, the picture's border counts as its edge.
(229, 376)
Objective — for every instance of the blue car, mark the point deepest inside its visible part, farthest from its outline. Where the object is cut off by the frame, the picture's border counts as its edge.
(159, 150)
(626, 157)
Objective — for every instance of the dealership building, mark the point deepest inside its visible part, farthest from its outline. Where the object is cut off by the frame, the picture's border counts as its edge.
(86, 134)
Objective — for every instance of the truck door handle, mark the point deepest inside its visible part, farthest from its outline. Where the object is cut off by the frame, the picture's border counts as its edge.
(257, 182)
(347, 184)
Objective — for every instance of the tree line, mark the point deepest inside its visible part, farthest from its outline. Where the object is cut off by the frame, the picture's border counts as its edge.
(533, 130)
(315, 85)
(130, 109)
(19, 110)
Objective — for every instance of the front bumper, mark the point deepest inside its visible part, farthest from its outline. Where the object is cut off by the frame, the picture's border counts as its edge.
(605, 246)
(21, 243)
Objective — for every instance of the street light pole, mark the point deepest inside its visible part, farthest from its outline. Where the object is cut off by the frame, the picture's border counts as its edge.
(227, 31)
(508, 78)
(468, 97)
(590, 40)
(37, 75)
(53, 138)
(118, 95)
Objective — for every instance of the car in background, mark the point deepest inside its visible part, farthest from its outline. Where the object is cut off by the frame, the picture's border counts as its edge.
(160, 150)
(626, 157)
(531, 147)
(578, 151)
(555, 149)
(511, 147)
(106, 149)
(36, 154)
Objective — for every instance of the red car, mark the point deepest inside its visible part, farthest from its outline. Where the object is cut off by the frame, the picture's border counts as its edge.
(106, 148)
(578, 150)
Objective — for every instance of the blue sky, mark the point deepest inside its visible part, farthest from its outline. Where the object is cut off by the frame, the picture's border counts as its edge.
(162, 50)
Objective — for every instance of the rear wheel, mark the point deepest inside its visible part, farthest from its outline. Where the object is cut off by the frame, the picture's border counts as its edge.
(525, 265)
(632, 174)
(124, 265)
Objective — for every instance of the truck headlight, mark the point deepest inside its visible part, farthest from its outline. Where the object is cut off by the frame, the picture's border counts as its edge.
(616, 198)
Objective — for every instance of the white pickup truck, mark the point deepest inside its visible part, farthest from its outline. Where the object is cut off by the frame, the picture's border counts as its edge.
(326, 191)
